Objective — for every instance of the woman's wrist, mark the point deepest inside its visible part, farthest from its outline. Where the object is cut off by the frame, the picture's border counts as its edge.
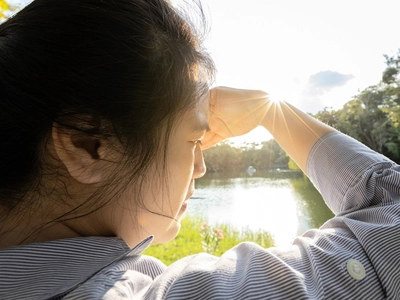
(294, 130)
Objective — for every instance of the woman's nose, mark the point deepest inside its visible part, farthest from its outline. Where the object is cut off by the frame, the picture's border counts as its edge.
(199, 164)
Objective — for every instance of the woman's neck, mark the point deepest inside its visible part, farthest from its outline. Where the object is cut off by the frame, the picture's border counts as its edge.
(22, 230)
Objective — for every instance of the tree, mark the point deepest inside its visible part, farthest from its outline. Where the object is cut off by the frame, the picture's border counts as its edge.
(391, 80)
(224, 157)
(292, 165)
(391, 73)
(329, 116)
(373, 116)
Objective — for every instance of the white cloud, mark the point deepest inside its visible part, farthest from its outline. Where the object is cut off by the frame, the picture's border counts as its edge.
(313, 98)
(324, 81)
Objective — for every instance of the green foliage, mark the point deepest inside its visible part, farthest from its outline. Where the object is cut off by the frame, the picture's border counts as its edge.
(211, 238)
(389, 76)
(224, 157)
(391, 73)
(292, 165)
(190, 241)
(234, 237)
(373, 116)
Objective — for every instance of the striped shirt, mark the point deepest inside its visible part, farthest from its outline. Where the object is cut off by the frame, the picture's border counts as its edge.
(355, 255)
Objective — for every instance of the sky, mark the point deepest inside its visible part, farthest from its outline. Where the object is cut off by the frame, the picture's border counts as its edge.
(311, 53)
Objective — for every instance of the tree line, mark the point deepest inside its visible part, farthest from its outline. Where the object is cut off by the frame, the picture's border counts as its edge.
(225, 157)
(371, 117)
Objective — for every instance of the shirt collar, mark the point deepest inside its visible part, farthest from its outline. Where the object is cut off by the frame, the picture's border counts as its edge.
(43, 270)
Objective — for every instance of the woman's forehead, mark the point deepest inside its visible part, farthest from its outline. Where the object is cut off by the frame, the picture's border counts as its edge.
(195, 119)
(201, 113)
(200, 123)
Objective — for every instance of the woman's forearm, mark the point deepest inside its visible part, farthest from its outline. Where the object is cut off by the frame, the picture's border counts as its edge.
(294, 130)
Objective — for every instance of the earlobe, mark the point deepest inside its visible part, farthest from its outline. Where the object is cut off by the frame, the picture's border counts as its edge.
(81, 155)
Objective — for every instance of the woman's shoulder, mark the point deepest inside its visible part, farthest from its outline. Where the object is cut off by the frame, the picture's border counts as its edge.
(128, 278)
(50, 269)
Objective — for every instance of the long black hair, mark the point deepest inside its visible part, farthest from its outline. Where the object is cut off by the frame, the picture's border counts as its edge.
(129, 64)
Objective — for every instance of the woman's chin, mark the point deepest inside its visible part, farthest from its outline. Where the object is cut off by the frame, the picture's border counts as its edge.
(169, 235)
(184, 206)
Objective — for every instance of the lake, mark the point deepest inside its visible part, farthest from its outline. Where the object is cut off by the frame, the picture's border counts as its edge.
(285, 203)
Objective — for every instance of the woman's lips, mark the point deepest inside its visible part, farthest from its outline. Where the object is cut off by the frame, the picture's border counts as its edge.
(190, 191)
(188, 196)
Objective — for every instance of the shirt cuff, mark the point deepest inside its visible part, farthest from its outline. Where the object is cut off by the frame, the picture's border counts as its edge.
(336, 163)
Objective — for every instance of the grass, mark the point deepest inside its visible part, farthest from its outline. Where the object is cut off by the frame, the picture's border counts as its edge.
(191, 240)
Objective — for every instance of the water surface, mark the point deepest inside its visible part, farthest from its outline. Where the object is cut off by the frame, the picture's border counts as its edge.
(284, 203)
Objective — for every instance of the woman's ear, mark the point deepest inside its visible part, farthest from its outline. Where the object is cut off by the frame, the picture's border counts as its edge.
(81, 154)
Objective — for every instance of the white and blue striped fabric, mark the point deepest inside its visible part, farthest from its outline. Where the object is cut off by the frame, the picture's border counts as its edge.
(355, 255)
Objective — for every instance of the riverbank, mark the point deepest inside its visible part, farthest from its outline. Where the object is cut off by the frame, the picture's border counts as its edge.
(196, 236)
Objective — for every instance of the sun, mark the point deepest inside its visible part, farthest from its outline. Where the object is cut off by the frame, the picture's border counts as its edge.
(274, 100)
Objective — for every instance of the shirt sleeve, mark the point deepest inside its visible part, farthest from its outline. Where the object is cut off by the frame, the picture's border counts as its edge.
(350, 176)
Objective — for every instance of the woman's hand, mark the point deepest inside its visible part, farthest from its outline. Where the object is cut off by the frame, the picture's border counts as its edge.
(234, 112)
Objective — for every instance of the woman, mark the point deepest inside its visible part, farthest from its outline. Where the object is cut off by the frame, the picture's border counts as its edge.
(105, 111)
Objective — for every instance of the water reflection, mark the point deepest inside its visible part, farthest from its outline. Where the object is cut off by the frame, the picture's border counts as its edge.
(312, 210)
(284, 203)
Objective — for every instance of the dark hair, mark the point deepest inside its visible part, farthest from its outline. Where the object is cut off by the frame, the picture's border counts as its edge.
(80, 63)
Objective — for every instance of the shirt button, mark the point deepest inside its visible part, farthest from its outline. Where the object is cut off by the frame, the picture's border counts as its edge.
(356, 269)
